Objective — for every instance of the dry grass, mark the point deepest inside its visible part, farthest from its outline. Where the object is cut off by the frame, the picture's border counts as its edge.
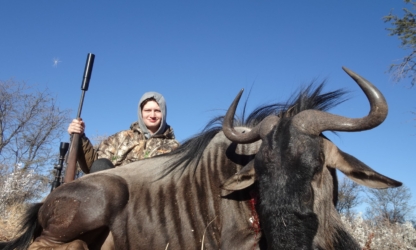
(10, 221)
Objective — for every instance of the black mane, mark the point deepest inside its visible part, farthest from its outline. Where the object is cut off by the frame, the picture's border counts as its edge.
(309, 97)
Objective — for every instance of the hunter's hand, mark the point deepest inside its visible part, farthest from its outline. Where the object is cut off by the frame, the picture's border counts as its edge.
(76, 127)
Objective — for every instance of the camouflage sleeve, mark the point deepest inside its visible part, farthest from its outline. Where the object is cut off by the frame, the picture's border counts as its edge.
(156, 146)
(117, 147)
(108, 148)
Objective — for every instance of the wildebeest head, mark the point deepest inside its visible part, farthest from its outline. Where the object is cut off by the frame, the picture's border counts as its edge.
(295, 172)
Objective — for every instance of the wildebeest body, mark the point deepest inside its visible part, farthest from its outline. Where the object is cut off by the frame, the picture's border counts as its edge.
(279, 172)
(184, 209)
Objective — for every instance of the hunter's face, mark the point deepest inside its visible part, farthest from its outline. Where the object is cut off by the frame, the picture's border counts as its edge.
(152, 116)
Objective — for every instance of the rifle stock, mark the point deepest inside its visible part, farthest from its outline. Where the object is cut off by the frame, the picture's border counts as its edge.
(72, 157)
(71, 166)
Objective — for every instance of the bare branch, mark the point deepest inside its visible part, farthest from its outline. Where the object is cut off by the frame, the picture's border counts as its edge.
(30, 125)
(348, 196)
(391, 204)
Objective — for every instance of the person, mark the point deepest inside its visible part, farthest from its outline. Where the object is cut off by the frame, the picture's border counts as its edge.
(147, 137)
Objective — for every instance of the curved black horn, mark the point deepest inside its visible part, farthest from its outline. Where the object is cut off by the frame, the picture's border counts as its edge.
(315, 122)
(228, 125)
(254, 134)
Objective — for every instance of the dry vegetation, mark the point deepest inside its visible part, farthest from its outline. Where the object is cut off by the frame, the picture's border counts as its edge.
(382, 235)
(9, 222)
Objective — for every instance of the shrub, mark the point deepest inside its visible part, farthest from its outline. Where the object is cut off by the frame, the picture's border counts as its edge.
(381, 235)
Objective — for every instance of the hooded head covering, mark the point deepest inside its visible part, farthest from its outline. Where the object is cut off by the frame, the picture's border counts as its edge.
(162, 104)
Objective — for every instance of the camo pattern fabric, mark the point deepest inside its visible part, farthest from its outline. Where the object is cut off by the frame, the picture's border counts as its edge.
(129, 146)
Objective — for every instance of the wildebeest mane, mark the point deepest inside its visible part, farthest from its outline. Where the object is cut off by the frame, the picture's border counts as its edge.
(309, 97)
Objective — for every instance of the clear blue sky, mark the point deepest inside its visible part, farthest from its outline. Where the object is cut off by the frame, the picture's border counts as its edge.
(199, 54)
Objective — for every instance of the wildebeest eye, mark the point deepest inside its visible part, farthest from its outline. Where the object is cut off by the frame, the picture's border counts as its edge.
(308, 196)
(320, 163)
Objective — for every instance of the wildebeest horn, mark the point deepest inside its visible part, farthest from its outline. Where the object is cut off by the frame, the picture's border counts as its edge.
(254, 134)
(315, 122)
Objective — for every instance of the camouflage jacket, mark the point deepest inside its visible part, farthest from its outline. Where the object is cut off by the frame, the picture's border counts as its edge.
(125, 147)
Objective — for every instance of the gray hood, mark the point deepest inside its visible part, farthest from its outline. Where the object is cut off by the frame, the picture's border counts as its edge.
(162, 104)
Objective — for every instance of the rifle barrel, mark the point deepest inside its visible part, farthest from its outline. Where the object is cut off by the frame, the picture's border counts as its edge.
(72, 158)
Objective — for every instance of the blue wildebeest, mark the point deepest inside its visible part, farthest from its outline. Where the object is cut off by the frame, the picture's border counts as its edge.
(267, 184)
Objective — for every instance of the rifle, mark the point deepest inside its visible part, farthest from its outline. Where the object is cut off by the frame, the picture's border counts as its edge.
(63, 148)
(72, 158)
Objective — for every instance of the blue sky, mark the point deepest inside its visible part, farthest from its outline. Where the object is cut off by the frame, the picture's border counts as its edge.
(199, 54)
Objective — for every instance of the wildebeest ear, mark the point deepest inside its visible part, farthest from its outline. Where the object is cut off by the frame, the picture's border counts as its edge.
(355, 169)
(242, 179)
